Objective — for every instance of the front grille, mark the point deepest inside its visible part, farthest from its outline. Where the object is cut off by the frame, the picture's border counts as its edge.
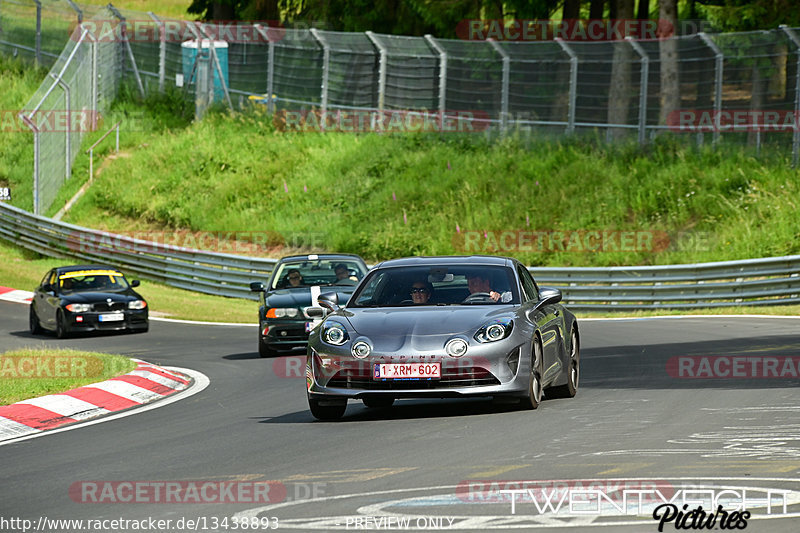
(113, 306)
(444, 383)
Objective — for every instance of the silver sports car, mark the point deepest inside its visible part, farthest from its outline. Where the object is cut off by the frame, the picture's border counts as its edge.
(442, 327)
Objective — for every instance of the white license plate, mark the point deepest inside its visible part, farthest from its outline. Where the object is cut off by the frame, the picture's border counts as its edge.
(312, 324)
(112, 317)
(408, 371)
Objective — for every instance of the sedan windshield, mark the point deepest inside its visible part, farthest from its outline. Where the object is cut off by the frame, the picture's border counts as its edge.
(437, 285)
(92, 281)
(307, 272)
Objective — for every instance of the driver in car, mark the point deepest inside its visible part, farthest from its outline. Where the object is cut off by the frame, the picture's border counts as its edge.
(477, 283)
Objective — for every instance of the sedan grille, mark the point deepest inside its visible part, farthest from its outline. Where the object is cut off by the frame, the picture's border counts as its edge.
(113, 306)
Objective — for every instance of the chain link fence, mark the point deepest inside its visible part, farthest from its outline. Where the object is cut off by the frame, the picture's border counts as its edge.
(741, 88)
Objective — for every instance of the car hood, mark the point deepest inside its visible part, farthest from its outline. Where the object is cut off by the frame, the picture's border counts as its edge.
(89, 297)
(302, 297)
(421, 328)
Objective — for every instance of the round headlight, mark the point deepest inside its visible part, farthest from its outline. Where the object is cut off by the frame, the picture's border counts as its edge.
(335, 335)
(361, 349)
(495, 332)
(456, 347)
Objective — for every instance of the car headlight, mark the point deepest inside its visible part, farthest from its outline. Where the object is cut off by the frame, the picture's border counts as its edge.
(361, 349)
(494, 331)
(137, 304)
(78, 308)
(456, 347)
(282, 312)
(334, 333)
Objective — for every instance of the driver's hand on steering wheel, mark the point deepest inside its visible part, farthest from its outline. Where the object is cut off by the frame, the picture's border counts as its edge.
(494, 295)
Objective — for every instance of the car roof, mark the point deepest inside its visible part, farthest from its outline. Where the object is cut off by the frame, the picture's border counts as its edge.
(313, 257)
(73, 268)
(482, 260)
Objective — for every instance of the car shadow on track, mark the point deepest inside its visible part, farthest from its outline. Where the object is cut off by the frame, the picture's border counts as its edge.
(406, 410)
(241, 356)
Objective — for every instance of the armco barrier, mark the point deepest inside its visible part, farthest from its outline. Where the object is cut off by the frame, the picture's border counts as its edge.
(751, 282)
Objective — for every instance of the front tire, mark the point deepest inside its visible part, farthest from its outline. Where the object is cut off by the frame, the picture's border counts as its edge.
(264, 350)
(571, 388)
(33, 322)
(61, 327)
(326, 412)
(534, 395)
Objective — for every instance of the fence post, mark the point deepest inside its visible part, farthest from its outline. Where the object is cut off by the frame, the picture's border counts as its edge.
(68, 153)
(38, 45)
(796, 137)
(162, 51)
(326, 63)
(77, 10)
(504, 88)
(36, 158)
(643, 80)
(381, 69)
(573, 83)
(442, 77)
(717, 82)
(127, 45)
(215, 59)
(270, 66)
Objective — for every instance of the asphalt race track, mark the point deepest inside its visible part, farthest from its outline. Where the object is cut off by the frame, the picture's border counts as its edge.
(638, 422)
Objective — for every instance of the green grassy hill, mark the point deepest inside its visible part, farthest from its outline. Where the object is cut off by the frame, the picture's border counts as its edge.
(548, 202)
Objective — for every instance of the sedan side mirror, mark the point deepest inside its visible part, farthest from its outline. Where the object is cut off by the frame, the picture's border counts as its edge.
(257, 286)
(329, 300)
(548, 295)
(135, 283)
(315, 312)
(48, 288)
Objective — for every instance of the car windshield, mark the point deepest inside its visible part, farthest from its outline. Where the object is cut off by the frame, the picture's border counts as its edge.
(308, 272)
(437, 285)
(92, 281)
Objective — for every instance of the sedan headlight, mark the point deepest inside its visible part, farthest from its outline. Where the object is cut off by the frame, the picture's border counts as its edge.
(137, 304)
(78, 308)
(494, 331)
(282, 312)
(334, 333)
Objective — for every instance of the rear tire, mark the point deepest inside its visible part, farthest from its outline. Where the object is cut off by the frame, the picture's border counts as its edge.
(571, 388)
(326, 412)
(378, 402)
(33, 322)
(534, 395)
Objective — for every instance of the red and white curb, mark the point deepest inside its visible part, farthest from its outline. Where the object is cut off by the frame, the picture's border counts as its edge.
(145, 384)
(15, 295)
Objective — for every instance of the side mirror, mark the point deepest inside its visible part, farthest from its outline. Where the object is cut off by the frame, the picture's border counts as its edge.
(257, 286)
(48, 288)
(315, 312)
(329, 300)
(548, 295)
(135, 283)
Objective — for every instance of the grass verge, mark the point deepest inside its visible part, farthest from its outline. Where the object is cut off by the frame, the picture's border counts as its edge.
(32, 372)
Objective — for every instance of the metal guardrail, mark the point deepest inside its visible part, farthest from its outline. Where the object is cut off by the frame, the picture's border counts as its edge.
(753, 282)
(195, 270)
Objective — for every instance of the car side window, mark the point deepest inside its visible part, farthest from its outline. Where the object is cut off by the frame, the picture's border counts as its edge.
(46, 278)
(528, 285)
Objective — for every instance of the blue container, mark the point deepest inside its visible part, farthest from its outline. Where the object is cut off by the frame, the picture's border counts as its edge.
(189, 56)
